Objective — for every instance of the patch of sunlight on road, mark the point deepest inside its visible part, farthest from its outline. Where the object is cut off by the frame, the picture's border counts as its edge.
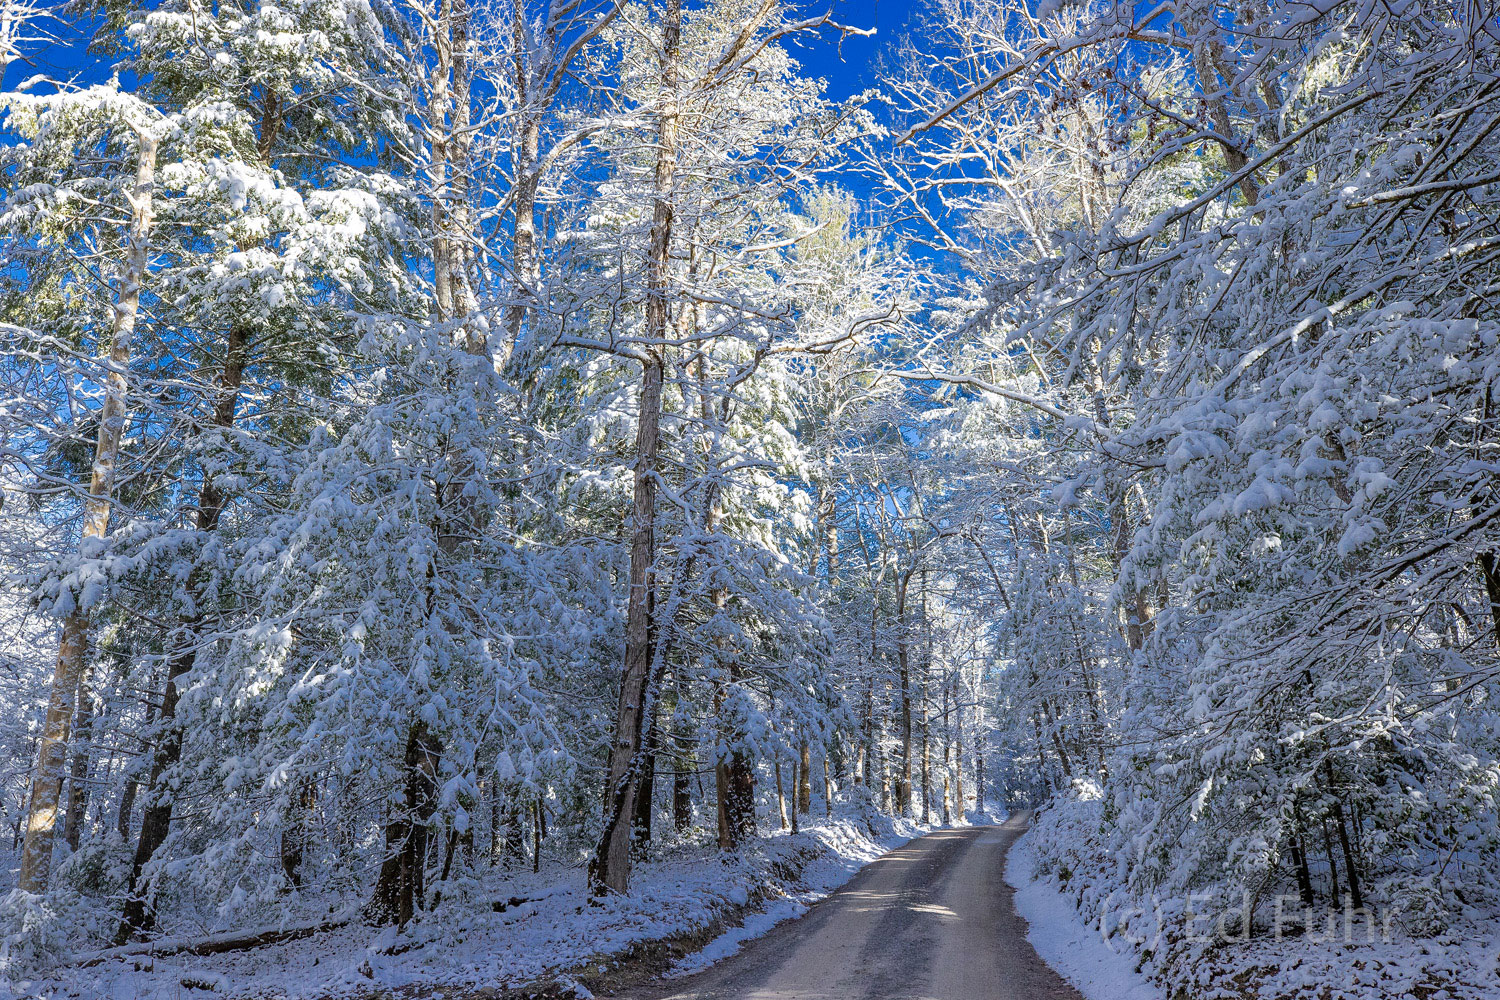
(872, 902)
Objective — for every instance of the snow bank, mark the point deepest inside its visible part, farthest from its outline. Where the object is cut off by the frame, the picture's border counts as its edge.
(1098, 968)
(1111, 943)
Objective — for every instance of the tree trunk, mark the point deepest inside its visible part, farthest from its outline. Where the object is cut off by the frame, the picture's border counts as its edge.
(525, 262)
(1333, 867)
(294, 835)
(682, 793)
(1299, 862)
(683, 766)
(1351, 872)
(610, 870)
(537, 72)
(1041, 755)
(741, 801)
(72, 653)
(721, 806)
(1490, 573)
(796, 783)
(862, 748)
(780, 794)
(78, 775)
(646, 787)
(736, 780)
(926, 754)
(682, 802)
(399, 888)
(495, 821)
(1053, 726)
(804, 782)
(452, 849)
(903, 785)
(947, 748)
(979, 778)
(958, 750)
(538, 831)
(127, 804)
(457, 145)
(157, 818)
(833, 541)
(439, 102)
(611, 867)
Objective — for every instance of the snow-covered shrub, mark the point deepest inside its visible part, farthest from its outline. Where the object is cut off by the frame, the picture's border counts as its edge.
(97, 869)
(38, 931)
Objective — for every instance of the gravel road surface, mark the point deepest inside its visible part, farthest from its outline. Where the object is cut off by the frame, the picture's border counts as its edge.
(930, 921)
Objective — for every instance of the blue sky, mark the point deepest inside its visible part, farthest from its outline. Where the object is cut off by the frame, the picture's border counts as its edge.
(848, 69)
(853, 69)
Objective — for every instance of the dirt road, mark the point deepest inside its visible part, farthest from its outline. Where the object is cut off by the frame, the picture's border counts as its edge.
(930, 921)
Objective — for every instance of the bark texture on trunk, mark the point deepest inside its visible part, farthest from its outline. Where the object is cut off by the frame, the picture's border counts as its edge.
(72, 653)
(610, 869)
(804, 780)
(294, 836)
(398, 890)
(538, 72)
(683, 766)
(157, 818)
(525, 262)
(735, 779)
(132, 787)
(958, 749)
(78, 774)
(780, 793)
(1489, 572)
(682, 801)
(979, 778)
(645, 795)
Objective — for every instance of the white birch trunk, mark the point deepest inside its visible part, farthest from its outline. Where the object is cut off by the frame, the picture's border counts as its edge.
(72, 654)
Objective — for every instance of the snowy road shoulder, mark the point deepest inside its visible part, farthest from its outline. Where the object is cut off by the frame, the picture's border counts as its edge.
(559, 938)
(1079, 953)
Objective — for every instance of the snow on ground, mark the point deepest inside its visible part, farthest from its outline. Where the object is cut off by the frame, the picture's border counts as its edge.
(557, 934)
(1459, 966)
(1326, 963)
(1099, 968)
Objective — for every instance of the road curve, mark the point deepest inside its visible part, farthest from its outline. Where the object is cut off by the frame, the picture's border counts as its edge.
(930, 921)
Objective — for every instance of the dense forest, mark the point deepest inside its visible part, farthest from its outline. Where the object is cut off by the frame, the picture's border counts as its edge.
(442, 439)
